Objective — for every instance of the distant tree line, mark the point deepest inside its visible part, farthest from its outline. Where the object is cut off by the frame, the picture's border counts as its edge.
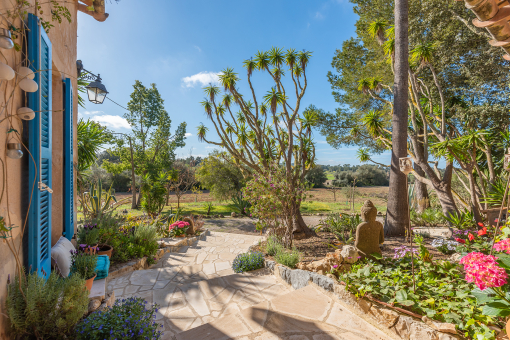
(345, 175)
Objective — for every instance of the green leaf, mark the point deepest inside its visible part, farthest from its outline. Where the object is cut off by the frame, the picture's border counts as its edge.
(401, 295)
(376, 256)
(483, 296)
(496, 309)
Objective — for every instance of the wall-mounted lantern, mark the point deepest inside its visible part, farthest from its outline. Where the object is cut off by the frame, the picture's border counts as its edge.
(96, 90)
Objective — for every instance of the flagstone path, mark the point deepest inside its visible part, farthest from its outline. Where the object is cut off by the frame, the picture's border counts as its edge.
(200, 297)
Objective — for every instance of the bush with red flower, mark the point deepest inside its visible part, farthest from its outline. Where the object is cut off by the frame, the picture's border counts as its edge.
(178, 228)
(474, 240)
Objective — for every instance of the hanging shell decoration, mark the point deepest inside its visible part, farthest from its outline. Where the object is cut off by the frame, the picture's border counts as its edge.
(494, 16)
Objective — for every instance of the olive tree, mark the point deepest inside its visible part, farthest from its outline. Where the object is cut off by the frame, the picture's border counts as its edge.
(267, 130)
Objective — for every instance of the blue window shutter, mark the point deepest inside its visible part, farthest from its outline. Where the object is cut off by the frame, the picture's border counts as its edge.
(68, 161)
(39, 215)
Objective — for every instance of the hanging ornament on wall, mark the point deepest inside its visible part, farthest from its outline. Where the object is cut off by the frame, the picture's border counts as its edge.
(6, 72)
(26, 72)
(5, 39)
(28, 85)
(14, 150)
(26, 113)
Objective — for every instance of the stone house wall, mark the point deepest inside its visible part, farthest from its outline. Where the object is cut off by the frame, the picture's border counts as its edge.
(14, 203)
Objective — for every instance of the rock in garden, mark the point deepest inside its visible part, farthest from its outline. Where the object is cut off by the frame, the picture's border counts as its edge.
(94, 304)
(370, 233)
(221, 216)
(349, 254)
(233, 214)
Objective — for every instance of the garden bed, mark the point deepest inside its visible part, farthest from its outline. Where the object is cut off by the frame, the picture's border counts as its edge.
(316, 247)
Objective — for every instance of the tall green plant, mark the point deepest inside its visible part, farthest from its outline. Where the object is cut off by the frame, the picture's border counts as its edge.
(154, 193)
(268, 129)
(98, 201)
(40, 308)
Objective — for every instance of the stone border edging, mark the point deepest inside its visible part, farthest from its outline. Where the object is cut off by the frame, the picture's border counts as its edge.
(388, 320)
(142, 263)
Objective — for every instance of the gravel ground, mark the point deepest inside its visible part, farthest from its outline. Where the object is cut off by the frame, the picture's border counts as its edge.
(246, 225)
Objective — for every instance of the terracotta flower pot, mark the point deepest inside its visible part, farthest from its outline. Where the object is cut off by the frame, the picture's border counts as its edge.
(105, 250)
(508, 327)
(183, 235)
(90, 282)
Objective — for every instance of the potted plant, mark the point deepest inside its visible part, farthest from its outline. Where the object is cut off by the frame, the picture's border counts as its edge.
(84, 264)
(104, 249)
(178, 229)
(88, 237)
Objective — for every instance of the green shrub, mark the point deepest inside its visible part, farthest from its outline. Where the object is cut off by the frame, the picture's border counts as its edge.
(288, 257)
(248, 261)
(154, 193)
(273, 245)
(51, 309)
(129, 318)
(88, 234)
(83, 264)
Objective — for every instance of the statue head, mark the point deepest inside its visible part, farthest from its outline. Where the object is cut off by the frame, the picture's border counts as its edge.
(368, 211)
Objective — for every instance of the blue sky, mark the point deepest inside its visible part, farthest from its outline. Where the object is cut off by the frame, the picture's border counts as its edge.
(181, 45)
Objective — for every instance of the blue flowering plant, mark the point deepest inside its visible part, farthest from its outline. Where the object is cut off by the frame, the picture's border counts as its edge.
(248, 261)
(127, 319)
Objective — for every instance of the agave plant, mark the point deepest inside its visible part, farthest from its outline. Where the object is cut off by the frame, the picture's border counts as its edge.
(240, 204)
(98, 201)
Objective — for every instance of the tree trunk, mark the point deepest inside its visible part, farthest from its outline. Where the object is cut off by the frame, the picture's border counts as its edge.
(474, 198)
(420, 191)
(134, 204)
(300, 230)
(139, 199)
(397, 212)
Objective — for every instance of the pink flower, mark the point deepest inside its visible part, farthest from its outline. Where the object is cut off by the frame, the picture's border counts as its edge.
(335, 266)
(503, 245)
(483, 270)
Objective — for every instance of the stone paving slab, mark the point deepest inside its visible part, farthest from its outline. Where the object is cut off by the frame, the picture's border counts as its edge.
(304, 314)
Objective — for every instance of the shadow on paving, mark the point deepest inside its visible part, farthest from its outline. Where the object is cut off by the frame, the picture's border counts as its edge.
(260, 320)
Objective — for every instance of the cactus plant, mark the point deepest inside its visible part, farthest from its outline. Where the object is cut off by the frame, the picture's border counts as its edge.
(98, 201)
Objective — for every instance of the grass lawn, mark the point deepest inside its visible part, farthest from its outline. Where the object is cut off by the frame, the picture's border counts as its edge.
(322, 201)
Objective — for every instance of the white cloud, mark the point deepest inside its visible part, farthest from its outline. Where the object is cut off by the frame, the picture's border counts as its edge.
(187, 134)
(198, 48)
(91, 112)
(210, 147)
(319, 16)
(115, 122)
(322, 142)
(202, 78)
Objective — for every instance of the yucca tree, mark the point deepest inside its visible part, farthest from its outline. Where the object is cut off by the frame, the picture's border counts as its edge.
(397, 218)
(269, 128)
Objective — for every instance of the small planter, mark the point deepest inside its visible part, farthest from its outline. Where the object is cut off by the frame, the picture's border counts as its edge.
(105, 250)
(90, 282)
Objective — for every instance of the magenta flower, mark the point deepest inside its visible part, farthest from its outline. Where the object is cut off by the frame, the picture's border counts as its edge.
(483, 270)
(503, 245)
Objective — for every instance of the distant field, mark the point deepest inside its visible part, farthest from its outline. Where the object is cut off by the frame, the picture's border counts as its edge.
(321, 201)
(330, 174)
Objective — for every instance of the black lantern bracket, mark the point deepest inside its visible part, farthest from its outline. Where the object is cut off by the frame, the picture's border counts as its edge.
(96, 90)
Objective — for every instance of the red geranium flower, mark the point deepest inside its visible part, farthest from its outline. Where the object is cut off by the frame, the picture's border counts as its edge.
(460, 240)
(480, 224)
(482, 232)
(471, 237)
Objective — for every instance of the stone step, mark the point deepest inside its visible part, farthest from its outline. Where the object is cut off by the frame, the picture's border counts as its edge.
(303, 314)
(190, 296)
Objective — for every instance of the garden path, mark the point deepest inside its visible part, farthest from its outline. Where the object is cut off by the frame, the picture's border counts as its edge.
(200, 297)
